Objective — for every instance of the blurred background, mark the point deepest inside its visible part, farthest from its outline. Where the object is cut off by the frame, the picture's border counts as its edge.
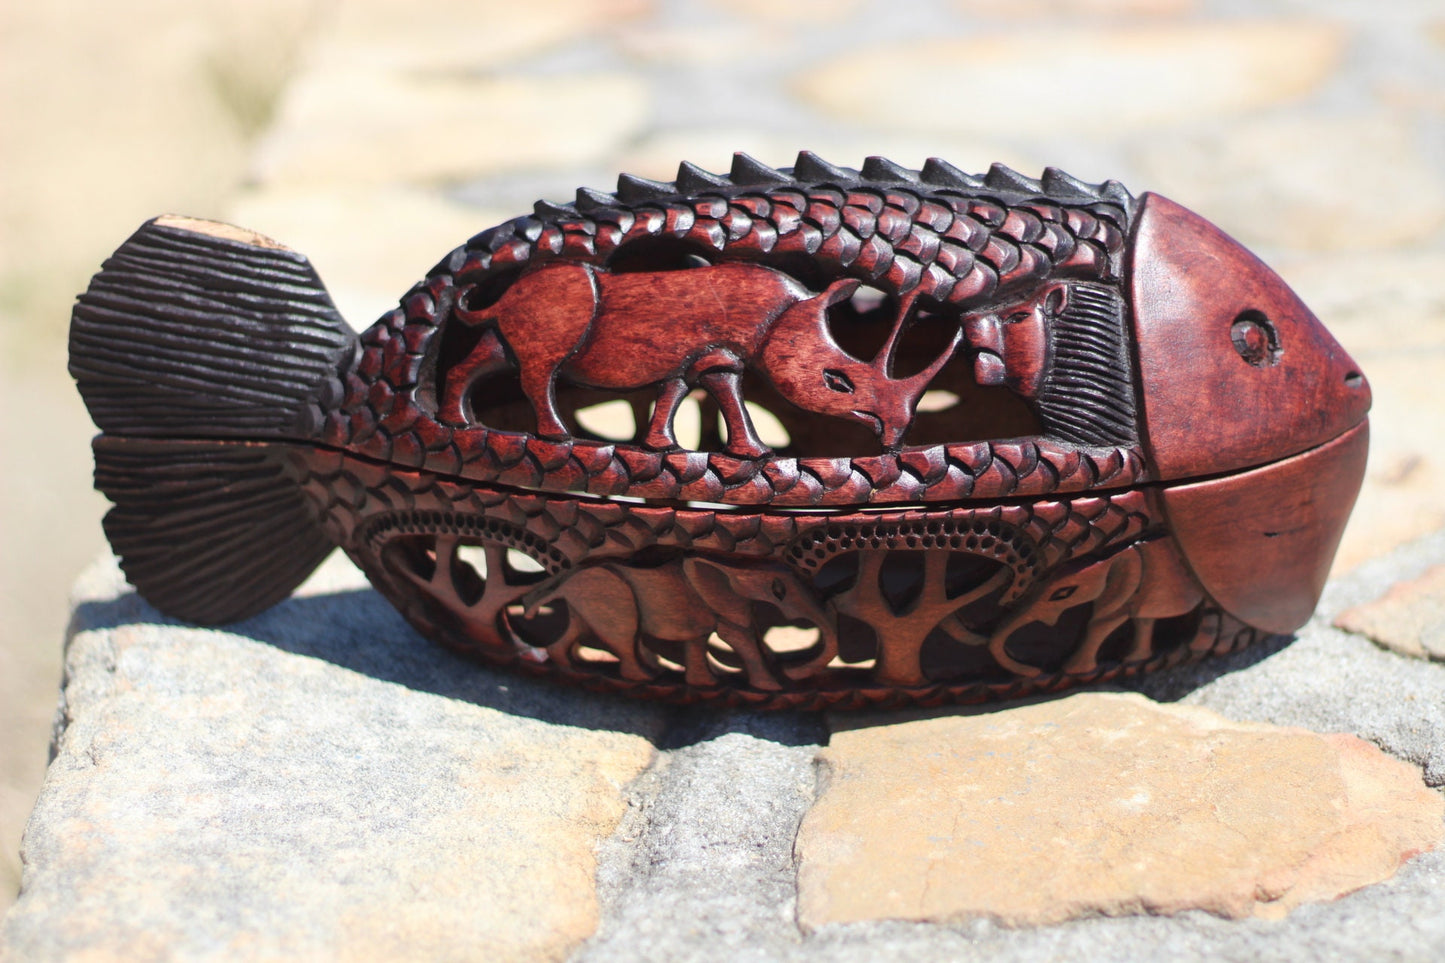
(375, 135)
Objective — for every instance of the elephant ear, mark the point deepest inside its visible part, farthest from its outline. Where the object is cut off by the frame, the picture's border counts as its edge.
(723, 589)
(708, 580)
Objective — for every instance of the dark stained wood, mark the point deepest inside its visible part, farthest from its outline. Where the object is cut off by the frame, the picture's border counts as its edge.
(1029, 434)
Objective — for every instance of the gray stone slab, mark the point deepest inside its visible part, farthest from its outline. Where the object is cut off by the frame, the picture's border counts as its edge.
(336, 741)
(317, 782)
(702, 867)
(676, 885)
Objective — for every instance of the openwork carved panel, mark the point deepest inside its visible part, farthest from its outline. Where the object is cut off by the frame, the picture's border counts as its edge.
(783, 437)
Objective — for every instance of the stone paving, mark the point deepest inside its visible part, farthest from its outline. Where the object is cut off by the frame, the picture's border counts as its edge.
(319, 782)
(1314, 132)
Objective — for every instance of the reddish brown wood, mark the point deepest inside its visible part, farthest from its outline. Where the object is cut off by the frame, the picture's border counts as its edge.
(1235, 371)
(1031, 433)
(1011, 343)
(1139, 584)
(620, 332)
(1284, 522)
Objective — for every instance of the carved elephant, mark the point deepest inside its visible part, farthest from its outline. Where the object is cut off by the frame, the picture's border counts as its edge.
(617, 606)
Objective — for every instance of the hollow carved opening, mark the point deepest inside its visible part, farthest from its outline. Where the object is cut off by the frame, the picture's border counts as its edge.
(953, 407)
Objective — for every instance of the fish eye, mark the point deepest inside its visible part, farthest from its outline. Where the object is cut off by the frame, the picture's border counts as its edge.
(1255, 339)
(1063, 593)
(837, 380)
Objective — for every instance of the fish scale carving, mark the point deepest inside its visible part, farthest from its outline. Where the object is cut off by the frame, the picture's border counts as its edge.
(565, 535)
(1037, 433)
(957, 238)
(884, 223)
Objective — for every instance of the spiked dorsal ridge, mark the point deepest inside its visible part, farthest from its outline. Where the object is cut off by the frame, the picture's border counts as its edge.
(553, 209)
(1003, 177)
(941, 173)
(631, 188)
(691, 179)
(883, 170)
(750, 172)
(810, 167)
(1058, 183)
(589, 199)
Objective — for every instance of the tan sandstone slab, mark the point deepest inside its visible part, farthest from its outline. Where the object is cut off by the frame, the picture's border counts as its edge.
(357, 125)
(1039, 9)
(1409, 618)
(1079, 81)
(394, 94)
(1277, 180)
(317, 784)
(1100, 804)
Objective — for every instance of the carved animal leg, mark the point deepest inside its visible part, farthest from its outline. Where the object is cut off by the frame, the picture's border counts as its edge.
(539, 384)
(1143, 646)
(710, 436)
(1113, 607)
(1086, 657)
(997, 649)
(1206, 637)
(634, 662)
(726, 387)
(642, 412)
(486, 359)
(828, 636)
(660, 434)
(745, 643)
(601, 612)
(695, 666)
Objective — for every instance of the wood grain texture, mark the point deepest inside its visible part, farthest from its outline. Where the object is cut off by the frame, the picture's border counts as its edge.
(1234, 370)
(1137, 448)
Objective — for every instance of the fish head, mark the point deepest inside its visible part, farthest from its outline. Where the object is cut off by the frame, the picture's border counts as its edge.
(1255, 417)
(1235, 371)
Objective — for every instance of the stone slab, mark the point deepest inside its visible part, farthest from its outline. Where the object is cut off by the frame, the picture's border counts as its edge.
(1100, 804)
(314, 783)
(1408, 619)
(701, 865)
(1082, 81)
(664, 900)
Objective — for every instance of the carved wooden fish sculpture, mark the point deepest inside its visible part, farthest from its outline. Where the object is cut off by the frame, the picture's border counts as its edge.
(1020, 434)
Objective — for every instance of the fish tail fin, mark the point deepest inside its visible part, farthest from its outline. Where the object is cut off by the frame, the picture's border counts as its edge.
(195, 329)
(209, 532)
(205, 354)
